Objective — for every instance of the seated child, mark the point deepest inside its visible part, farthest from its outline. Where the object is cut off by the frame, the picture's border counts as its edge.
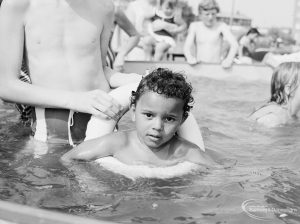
(284, 102)
(162, 29)
(247, 45)
(159, 106)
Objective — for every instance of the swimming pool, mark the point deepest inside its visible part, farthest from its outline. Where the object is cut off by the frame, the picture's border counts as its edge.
(264, 185)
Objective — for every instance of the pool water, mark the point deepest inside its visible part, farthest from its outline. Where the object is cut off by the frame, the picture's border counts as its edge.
(263, 186)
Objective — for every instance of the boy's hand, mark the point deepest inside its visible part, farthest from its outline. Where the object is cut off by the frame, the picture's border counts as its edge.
(96, 102)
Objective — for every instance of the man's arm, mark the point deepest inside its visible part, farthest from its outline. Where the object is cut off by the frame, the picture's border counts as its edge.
(12, 32)
(227, 34)
(189, 44)
(108, 19)
(241, 46)
(134, 38)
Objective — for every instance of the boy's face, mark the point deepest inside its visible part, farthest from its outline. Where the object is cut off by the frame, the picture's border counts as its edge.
(157, 118)
(209, 17)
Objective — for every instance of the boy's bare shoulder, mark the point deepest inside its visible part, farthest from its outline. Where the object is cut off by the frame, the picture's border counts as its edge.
(182, 147)
(119, 138)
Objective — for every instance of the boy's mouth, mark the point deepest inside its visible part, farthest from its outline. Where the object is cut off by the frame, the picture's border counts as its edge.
(154, 137)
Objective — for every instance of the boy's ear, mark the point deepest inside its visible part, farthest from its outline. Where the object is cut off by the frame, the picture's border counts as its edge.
(132, 112)
(183, 119)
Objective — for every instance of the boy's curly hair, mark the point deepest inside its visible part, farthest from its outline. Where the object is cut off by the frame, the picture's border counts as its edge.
(168, 83)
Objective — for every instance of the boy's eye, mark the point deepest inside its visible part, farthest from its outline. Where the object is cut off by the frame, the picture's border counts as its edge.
(170, 119)
(148, 115)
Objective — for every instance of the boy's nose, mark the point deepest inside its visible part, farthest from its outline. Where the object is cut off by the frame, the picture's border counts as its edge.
(157, 124)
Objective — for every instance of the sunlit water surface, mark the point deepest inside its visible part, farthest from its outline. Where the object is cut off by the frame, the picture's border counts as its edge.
(266, 172)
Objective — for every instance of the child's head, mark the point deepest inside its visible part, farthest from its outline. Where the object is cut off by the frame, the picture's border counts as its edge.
(253, 33)
(208, 10)
(167, 83)
(206, 5)
(285, 81)
(160, 105)
(168, 6)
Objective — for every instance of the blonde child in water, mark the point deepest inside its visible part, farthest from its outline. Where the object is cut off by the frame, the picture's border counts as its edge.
(159, 107)
(284, 103)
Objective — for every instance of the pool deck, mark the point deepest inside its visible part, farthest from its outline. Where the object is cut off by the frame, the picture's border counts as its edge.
(11, 213)
(255, 72)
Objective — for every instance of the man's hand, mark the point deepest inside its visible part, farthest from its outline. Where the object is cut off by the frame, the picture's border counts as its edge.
(192, 61)
(98, 103)
(119, 62)
(227, 63)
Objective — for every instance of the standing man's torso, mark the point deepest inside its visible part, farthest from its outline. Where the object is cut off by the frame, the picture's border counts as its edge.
(62, 40)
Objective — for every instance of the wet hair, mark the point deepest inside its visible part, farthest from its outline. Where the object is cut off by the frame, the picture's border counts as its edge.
(254, 31)
(208, 5)
(168, 83)
(285, 75)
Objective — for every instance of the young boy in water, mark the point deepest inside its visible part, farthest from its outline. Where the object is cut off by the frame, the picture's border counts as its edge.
(159, 106)
(207, 36)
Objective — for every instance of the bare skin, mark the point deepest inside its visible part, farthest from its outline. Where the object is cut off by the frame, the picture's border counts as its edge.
(134, 38)
(206, 36)
(154, 142)
(66, 42)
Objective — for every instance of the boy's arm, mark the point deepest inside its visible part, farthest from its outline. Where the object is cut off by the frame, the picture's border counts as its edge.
(227, 34)
(194, 155)
(93, 149)
(189, 43)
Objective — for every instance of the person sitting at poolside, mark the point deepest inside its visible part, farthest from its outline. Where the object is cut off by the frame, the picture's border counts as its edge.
(284, 103)
(247, 45)
(208, 35)
(159, 106)
(162, 29)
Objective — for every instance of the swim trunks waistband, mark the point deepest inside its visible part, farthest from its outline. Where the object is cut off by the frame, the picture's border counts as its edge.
(59, 125)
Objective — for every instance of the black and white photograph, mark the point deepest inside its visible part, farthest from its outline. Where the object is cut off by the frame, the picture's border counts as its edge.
(149, 111)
